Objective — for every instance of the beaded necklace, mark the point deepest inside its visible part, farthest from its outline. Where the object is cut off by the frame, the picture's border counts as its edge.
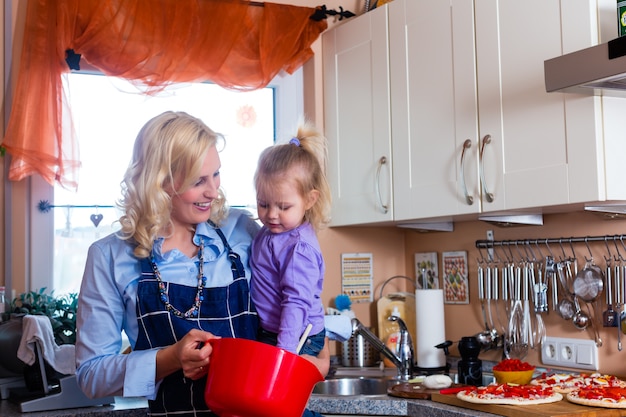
(195, 308)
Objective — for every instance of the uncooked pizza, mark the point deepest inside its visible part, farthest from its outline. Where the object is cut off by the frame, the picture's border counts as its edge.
(565, 383)
(607, 396)
(510, 394)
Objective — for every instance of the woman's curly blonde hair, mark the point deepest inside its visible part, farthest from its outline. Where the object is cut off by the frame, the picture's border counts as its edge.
(167, 158)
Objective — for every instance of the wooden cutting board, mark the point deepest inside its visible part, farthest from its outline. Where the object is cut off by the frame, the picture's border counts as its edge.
(414, 390)
(561, 408)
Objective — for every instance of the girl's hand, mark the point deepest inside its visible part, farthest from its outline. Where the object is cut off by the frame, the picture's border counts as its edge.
(322, 360)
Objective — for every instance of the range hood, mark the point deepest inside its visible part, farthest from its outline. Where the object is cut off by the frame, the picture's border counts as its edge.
(598, 70)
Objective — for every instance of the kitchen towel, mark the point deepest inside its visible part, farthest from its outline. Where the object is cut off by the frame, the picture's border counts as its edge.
(38, 329)
(431, 329)
(338, 327)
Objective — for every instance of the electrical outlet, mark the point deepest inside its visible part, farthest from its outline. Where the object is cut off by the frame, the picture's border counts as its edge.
(570, 353)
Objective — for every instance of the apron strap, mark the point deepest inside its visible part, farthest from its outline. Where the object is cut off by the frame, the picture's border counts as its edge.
(235, 261)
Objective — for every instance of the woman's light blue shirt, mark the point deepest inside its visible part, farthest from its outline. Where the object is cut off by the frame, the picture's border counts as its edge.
(107, 303)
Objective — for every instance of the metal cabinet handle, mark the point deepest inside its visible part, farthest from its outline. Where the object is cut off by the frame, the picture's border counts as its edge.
(466, 145)
(382, 161)
(486, 193)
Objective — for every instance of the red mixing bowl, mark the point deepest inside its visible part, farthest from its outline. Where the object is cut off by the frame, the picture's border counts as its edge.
(247, 378)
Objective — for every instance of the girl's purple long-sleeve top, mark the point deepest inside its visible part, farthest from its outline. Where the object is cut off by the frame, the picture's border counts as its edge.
(286, 283)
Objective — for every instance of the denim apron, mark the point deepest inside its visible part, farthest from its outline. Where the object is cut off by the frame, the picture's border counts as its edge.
(225, 311)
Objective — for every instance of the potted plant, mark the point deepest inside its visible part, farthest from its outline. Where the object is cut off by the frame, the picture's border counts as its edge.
(60, 310)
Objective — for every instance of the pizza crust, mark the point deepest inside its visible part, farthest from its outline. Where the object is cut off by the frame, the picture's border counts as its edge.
(572, 397)
(463, 395)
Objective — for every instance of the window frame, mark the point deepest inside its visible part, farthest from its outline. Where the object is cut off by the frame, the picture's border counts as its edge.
(289, 109)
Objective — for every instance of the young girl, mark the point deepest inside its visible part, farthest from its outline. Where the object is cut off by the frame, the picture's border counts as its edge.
(293, 203)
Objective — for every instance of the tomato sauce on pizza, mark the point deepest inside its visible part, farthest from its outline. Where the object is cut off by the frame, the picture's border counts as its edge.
(510, 394)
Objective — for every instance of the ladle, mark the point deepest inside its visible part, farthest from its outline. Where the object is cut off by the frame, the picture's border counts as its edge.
(580, 319)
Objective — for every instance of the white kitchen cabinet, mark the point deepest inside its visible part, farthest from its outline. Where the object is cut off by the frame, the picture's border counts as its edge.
(434, 108)
(463, 71)
(357, 119)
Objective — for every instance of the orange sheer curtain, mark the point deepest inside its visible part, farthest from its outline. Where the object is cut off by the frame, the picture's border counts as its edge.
(233, 43)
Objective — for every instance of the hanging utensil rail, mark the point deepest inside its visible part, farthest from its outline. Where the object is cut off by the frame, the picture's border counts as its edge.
(488, 244)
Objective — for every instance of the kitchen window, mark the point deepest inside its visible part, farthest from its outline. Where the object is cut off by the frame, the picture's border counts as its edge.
(108, 113)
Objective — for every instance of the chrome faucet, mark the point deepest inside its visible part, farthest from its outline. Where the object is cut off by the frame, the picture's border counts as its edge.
(403, 360)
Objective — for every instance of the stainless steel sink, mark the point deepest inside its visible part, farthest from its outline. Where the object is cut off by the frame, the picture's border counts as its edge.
(362, 381)
(354, 386)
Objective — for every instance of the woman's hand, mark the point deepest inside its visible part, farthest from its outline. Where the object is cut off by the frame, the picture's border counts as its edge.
(322, 360)
(191, 354)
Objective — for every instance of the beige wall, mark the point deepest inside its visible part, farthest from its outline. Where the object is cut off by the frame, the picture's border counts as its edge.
(392, 248)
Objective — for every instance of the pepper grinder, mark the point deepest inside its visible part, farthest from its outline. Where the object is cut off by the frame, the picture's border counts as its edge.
(470, 367)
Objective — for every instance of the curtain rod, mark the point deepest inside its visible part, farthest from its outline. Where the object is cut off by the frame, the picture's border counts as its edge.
(321, 12)
(44, 206)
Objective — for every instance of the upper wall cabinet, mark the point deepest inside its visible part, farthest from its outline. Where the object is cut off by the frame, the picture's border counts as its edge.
(473, 129)
(357, 119)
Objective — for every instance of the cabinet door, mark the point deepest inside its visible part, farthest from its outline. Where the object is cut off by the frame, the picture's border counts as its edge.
(434, 108)
(357, 119)
(526, 163)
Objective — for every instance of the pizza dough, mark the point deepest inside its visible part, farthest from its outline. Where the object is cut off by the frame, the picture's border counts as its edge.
(437, 381)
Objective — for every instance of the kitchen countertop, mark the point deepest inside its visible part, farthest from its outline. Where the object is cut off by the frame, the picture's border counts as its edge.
(356, 405)
(384, 405)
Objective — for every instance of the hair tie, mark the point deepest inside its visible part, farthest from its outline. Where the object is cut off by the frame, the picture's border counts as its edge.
(295, 141)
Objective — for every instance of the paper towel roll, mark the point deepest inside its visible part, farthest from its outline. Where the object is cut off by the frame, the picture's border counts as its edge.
(431, 329)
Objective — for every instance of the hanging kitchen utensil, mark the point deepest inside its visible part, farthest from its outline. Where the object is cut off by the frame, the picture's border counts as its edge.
(550, 280)
(516, 345)
(566, 307)
(490, 287)
(588, 286)
(609, 315)
(580, 319)
(589, 282)
(619, 297)
(540, 306)
(529, 319)
(486, 336)
(502, 299)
